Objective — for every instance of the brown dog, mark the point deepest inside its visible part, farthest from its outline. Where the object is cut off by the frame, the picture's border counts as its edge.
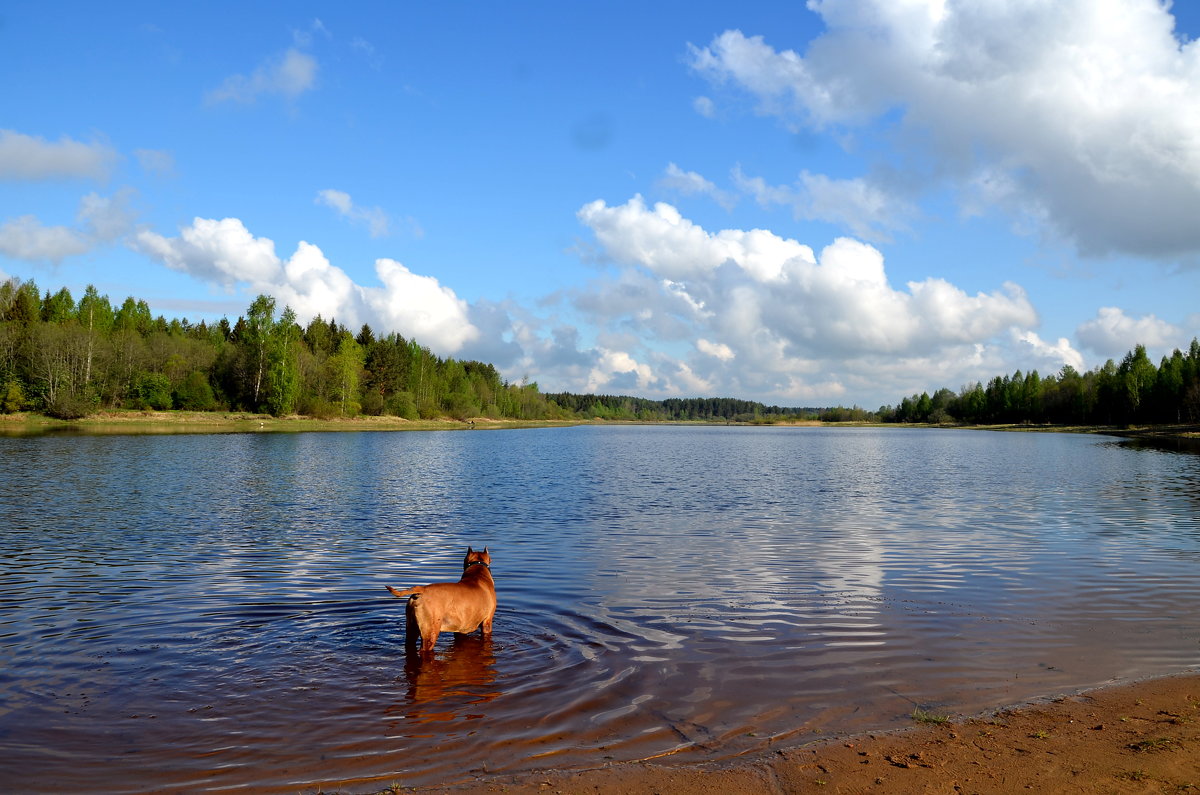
(461, 606)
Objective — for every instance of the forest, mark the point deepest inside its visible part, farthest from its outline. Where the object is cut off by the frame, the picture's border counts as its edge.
(69, 358)
(1133, 392)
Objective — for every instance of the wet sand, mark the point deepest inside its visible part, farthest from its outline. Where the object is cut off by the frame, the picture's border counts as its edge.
(1142, 737)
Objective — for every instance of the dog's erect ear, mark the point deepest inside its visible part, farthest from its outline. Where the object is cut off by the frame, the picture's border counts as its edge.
(485, 550)
(469, 550)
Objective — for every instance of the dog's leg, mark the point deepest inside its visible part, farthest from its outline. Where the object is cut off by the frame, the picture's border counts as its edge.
(429, 638)
(412, 629)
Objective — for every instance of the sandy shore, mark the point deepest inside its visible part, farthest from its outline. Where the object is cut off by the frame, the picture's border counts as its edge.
(1134, 738)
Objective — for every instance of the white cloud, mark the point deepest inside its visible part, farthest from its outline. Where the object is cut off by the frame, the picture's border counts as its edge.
(373, 218)
(225, 252)
(1082, 109)
(766, 317)
(420, 308)
(687, 312)
(690, 183)
(26, 157)
(864, 208)
(289, 75)
(675, 248)
(610, 365)
(100, 220)
(1048, 356)
(717, 349)
(25, 238)
(107, 218)
(1112, 333)
(312, 286)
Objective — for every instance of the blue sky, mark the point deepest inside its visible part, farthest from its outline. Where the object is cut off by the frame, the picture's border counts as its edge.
(806, 204)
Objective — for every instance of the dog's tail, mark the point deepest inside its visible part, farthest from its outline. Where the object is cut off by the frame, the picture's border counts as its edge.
(407, 591)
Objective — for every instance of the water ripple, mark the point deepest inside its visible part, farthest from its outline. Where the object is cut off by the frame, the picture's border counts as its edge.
(209, 611)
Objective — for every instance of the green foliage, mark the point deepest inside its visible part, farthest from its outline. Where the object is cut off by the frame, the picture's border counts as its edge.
(462, 404)
(69, 406)
(195, 393)
(133, 316)
(12, 397)
(402, 404)
(319, 407)
(372, 403)
(58, 308)
(283, 369)
(624, 408)
(1133, 392)
(345, 368)
(923, 716)
(153, 391)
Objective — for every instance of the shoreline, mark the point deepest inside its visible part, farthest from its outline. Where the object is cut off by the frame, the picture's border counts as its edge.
(131, 421)
(166, 422)
(1139, 736)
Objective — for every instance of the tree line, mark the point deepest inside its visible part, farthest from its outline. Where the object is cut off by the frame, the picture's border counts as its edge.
(1133, 392)
(69, 358)
(624, 407)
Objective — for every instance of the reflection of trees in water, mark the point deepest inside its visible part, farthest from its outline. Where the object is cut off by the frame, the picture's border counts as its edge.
(446, 685)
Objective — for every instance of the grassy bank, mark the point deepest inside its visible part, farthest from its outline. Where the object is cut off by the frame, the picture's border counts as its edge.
(121, 421)
(1128, 431)
(131, 421)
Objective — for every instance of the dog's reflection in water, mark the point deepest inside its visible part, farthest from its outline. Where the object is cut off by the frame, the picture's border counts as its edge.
(451, 684)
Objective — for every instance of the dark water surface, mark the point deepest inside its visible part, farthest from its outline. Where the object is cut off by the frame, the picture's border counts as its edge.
(187, 612)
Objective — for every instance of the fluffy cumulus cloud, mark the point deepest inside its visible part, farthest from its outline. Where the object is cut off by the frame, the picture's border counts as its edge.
(765, 315)
(25, 238)
(680, 310)
(224, 252)
(674, 247)
(424, 309)
(1048, 356)
(288, 75)
(100, 220)
(27, 157)
(1077, 114)
(1112, 333)
(617, 371)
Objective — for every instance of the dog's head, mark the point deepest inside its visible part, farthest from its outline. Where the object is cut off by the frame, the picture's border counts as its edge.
(474, 558)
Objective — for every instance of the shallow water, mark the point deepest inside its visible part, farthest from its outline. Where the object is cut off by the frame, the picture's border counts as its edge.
(186, 612)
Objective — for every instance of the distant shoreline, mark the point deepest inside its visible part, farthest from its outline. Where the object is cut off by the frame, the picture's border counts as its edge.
(128, 421)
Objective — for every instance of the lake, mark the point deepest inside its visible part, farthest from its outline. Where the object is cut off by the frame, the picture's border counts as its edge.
(209, 611)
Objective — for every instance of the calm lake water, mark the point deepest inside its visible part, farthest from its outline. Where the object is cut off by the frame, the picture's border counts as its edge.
(187, 612)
